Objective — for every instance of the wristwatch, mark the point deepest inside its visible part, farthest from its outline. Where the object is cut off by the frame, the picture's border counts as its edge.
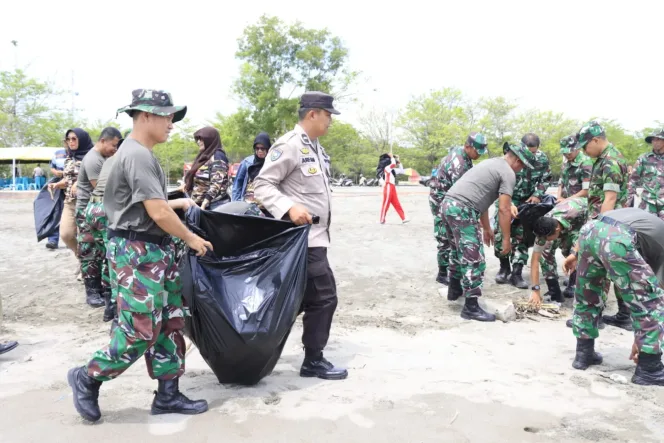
(535, 288)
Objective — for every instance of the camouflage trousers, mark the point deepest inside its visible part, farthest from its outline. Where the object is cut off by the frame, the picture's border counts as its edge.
(548, 258)
(608, 253)
(92, 242)
(439, 234)
(653, 209)
(519, 254)
(464, 237)
(151, 312)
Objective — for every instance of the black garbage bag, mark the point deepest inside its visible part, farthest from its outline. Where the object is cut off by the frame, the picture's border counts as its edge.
(48, 211)
(529, 212)
(245, 297)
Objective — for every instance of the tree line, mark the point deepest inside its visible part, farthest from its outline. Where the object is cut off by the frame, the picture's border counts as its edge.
(281, 60)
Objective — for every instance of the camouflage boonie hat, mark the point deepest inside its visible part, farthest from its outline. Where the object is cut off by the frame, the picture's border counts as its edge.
(521, 151)
(589, 131)
(569, 144)
(657, 134)
(156, 102)
(477, 141)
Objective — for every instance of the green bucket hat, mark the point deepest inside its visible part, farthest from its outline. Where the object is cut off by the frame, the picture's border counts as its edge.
(657, 134)
(156, 102)
(477, 141)
(589, 131)
(522, 152)
(568, 144)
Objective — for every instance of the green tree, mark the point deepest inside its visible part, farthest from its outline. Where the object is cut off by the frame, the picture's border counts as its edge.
(280, 59)
(28, 112)
(432, 123)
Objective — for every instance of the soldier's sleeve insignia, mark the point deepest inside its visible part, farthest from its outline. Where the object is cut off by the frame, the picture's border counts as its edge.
(312, 170)
(304, 151)
(276, 154)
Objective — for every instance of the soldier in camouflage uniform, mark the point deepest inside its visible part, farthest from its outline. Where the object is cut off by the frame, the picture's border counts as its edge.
(576, 170)
(649, 173)
(607, 191)
(623, 246)
(531, 185)
(465, 208)
(557, 229)
(151, 309)
(451, 168)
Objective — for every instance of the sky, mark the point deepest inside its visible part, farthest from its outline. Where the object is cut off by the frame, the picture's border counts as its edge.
(584, 58)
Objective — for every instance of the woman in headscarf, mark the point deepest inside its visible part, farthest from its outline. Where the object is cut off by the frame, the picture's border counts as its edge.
(207, 180)
(78, 143)
(243, 190)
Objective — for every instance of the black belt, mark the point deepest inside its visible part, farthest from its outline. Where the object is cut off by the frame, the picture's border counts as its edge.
(162, 240)
(616, 223)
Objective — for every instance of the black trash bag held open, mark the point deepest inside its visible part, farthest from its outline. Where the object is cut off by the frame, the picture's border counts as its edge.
(529, 212)
(245, 297)
(48, 211)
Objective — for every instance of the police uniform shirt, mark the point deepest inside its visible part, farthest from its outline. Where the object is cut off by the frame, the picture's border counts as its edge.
(297, 170)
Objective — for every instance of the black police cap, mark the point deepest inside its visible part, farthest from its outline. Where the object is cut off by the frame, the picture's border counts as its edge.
(318, 100)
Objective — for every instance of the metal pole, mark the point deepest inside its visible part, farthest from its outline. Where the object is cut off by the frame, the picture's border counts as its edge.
(14, 173)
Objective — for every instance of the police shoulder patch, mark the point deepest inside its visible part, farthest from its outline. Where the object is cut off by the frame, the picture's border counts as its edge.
(276, 154)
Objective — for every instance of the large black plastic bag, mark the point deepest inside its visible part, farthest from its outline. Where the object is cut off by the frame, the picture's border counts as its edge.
(48, 211)
(245, 297)
(529, 213)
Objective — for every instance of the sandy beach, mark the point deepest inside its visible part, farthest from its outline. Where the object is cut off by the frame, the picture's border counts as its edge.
(418, 372)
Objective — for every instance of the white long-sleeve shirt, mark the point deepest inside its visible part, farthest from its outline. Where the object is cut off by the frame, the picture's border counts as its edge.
(389, 178)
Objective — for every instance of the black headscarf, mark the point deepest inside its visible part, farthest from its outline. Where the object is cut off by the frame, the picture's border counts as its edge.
(264, 139)
(84, 144)
(212, 143)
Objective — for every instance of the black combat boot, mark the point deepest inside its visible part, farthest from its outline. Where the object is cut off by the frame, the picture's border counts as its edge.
(554, 290)
(516, 279)
(504, 274)
(454, 290)
(442, 276)
(86, 393)
(622, 319)
(472, 311)
(571, 285)
(93, 295)
(169, 400)
(111, 307)
(585, 354)
(649, 370)
(315, 365)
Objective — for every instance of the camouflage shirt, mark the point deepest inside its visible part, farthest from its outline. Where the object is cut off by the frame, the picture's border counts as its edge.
(211, 180)
(533, 182)
(571, 214)
(649, 173)
(451, 168)
(575, 175)
(70, 175)
(609, 174)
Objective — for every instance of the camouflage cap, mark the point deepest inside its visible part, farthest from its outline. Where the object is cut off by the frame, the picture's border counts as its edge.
(569, 144)
(522, 152)
(589, 131)
(477, 141)
(656, 134)
(156, 102)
